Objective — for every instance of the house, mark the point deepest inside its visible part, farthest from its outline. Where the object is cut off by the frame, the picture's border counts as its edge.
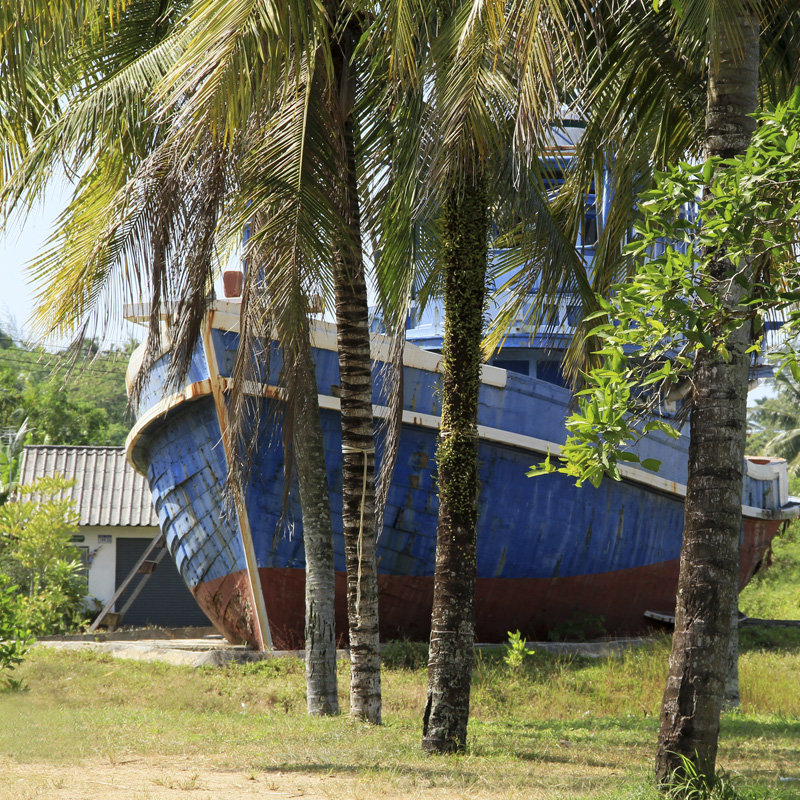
(117, 522)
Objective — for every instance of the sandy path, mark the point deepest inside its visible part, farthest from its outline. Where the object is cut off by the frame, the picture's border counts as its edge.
(163, 778)
(140, 779)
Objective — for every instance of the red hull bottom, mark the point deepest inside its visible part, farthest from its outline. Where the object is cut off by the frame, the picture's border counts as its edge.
(534, 606)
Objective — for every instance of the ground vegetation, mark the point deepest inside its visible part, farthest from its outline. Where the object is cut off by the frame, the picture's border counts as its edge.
(43, 586)
(774, 592)
(708, 58)
(37, 554)
(556, 726)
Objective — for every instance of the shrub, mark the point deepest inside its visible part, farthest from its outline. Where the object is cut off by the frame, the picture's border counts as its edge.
(15, 637)
(37, 552)
(516, 650)
(689, 784)
(403, 654)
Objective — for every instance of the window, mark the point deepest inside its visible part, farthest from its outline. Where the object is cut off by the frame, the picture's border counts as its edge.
(550, 371)
(83, 555)
(522, 367)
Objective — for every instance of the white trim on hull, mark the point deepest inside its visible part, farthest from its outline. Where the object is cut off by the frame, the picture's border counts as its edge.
(537, 447)
(323, 337)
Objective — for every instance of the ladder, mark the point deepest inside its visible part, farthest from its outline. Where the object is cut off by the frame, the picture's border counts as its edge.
(151, 557)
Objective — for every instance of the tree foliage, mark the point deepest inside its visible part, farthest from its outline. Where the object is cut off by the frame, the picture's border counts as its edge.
(15, 636)
(775, 425)
(65, 399)
(652, 326)
(37, 554)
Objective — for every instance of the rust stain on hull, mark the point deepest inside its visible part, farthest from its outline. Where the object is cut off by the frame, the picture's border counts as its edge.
(532, 605)
(228, 604)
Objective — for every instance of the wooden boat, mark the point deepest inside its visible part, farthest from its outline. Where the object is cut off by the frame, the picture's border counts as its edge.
(551, 557)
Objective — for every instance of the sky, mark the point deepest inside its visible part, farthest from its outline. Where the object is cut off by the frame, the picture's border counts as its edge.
(19, 244)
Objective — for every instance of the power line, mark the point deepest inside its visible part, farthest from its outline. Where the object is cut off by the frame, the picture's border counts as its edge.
(53, 366)
(28, 344)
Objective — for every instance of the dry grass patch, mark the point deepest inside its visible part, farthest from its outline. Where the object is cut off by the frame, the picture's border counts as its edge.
(556, 728)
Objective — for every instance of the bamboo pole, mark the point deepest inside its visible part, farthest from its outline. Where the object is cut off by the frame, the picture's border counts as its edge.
(217, 390)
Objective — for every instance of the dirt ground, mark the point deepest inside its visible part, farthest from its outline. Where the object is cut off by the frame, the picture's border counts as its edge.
(193, 779)
(140, 779)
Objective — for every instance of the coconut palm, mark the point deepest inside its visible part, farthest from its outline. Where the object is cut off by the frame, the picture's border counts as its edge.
(774, 422)
(467, 168)
(665, 85)
(709, 574)
(241, 114)
(134, 201)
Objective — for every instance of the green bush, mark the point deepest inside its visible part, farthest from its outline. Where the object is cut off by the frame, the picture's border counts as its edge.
(774, 592)
(15, 636)
(58, 606)
(403, 654)
(37, 553)
(516, 650)
(760, 637)
(689, 784)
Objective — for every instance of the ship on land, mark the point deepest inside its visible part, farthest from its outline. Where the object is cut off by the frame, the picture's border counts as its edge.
(552, 557)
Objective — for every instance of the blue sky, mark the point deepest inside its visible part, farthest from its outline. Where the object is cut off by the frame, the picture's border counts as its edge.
(19, 245)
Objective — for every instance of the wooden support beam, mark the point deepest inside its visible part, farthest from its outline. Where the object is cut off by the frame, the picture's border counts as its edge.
(157, 546)
(217, 389)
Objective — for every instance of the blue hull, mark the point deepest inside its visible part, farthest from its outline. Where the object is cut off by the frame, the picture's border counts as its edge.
(550, 555)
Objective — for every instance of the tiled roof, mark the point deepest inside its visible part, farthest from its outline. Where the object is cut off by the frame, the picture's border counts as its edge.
(107, 490)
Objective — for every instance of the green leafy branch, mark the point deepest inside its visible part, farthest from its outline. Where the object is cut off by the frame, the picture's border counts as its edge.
(742, 212)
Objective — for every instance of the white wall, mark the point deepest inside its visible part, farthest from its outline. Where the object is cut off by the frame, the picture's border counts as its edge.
(103, 556)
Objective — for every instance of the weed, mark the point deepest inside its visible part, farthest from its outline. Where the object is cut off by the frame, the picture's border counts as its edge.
(529, 737)
(403, 654)
(188, 784)
(762, 637)
(773, 593)
(579, 627)
(268, 667)
(516, 650)
(689, 784)
(15, 684)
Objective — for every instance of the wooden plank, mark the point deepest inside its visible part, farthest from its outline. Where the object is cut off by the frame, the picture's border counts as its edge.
(218, 392)
(139, 586)
(155, 544)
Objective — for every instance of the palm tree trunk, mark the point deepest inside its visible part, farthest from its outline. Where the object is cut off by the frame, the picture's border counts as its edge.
(355, 393)
(709, 568)
(321, 686)
(452, 623)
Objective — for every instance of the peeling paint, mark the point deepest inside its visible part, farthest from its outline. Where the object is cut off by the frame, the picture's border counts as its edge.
(545, 547)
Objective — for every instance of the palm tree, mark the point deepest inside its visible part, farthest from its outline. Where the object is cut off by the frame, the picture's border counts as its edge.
(241, 113)
(464, 262)
(133, 202)
(467, 161)
(303, 450)
(774, 423)
(709, 574)
(652, 73)
(355, 381)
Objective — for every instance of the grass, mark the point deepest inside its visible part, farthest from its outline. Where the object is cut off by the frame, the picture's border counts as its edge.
(774, 593)
(556, 727)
